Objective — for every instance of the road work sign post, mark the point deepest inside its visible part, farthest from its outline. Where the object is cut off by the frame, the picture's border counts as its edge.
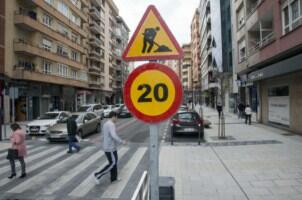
(153, 92)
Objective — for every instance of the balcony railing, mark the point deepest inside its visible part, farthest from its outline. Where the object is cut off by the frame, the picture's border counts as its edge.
(95, 13)
(262, 43)
(253, 8)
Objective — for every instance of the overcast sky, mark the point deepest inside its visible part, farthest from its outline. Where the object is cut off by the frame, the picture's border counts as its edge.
(177, 14)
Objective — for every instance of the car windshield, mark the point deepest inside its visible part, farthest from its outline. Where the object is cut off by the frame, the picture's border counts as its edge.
(186, 117)
(49, 116)
(83, 108)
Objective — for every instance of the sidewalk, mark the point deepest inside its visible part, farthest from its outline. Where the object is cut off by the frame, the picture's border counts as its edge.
(256, 162)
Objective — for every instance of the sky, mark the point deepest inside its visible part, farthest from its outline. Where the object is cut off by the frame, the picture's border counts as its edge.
(177, 14)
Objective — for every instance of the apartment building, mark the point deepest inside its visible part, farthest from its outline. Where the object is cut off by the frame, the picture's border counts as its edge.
(210, 49)
(58, 55)
(269, 46)
(186, 72)
(2, 50)
(195, 41)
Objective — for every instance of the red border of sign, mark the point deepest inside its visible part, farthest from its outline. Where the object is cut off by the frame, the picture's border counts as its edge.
(178, 93)
(159, 57)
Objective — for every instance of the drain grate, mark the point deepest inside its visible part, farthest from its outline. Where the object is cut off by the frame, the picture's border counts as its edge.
(242, 143)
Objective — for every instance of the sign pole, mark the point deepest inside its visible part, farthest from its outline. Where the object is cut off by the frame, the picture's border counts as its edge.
(154, 161)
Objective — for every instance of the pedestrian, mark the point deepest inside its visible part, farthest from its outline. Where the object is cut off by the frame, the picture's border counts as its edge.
(17, 140)
(110, 142)
(240, 110)
(248, 114)
(219, 109)
(72, 130)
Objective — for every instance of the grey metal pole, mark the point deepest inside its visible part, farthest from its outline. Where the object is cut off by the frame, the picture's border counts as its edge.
(154, 161)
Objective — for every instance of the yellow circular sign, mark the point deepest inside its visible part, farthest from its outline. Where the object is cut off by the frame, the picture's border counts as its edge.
(152, 92)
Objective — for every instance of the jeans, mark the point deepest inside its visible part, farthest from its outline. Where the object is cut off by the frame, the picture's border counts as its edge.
(13, 166)
(248, 119)
(72, 142)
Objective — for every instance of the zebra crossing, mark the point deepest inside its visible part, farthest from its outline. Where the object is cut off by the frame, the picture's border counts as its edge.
(54, 174)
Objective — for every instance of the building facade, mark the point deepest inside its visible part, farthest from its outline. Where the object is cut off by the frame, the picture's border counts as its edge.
(2, 60)
(210, 49)
(269, 46)
(195, 41)
(186, 73)
(58, 55)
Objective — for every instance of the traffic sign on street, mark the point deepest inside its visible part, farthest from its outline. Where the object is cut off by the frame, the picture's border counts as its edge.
(152, 40)
(153, 92)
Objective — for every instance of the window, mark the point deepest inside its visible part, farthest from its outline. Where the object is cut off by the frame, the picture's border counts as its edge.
(46, 44)
(63, 30)
(291, 15)
(75, 19)
(47, 20)
(61, 50)
(46, 67)
(73, 74)
(63, 70)
(242, 51)
(63, 8)
(74, 37)
(76, 3)
(49, 2)
(240, 17)
(74, 55)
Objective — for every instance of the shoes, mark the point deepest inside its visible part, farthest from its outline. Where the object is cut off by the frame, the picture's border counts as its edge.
(23, 175)
(12, 176)
(116, 180)
(78, 149)
(97, 181)
(69, 151)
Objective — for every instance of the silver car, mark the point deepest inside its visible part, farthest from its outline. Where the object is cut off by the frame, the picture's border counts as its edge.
(87, 122)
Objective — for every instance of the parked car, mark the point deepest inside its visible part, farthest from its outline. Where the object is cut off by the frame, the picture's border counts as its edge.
(187, 122)
(87, 122)
(183, 108)
(40, 125)
(124, 112)
(118, 108)
(107, 110)
(96, 108)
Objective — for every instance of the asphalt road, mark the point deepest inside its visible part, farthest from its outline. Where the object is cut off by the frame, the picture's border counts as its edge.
(55, 175)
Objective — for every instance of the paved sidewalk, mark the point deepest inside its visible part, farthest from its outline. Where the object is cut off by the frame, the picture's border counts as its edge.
(256, 162)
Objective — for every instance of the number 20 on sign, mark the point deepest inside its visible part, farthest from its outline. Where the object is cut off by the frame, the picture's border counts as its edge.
(153, 92)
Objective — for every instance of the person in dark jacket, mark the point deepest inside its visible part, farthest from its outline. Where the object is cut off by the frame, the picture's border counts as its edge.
(72, 131)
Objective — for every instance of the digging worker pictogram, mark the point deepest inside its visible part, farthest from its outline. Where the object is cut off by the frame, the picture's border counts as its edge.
(149, 36)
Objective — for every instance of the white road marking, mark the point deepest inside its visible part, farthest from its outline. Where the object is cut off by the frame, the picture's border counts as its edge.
(114, 190)
(89, 183)
(4, 154)
(5, 169)
(37, 165)
(38, 179)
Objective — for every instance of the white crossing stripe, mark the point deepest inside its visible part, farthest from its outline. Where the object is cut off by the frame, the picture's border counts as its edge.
(115, 190)
(60, 182)
(5, 146)
(5, 169)
(89, 183)
(29, 152)
(38, 179)
(37, 165)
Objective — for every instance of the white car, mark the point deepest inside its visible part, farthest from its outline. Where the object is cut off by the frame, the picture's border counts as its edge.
(107, 110)
(96, 108)
(117, 108)
(40, 125)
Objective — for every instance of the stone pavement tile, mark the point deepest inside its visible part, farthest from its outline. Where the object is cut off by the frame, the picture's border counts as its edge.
(262, 183)
(257, 191)
(267, 197)
(284, 190)
(296, 197)
(287, 175)
(268, 176)
(290, 182)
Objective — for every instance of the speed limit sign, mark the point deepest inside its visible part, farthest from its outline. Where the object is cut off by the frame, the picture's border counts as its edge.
(153, 92)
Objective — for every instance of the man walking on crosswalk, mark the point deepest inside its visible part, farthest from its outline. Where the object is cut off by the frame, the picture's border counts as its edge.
(110, 142)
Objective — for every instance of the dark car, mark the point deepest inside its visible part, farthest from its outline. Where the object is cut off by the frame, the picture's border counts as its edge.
(187, 122)
(124, 112)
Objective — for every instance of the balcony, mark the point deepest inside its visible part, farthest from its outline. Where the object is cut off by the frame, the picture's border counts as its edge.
(96, 3)
(94, 41)
(30, 23)
(94, 55)
(22, 47)
(94, 69)
(251, 6)
(94, 84)
(95, 13)
(269, 38)
(94, 27)
(94, 73)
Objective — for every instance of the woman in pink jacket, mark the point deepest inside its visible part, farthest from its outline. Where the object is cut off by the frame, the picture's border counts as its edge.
(18, 142)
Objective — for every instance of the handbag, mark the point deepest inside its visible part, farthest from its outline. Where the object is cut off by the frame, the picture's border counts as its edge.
(12, 154)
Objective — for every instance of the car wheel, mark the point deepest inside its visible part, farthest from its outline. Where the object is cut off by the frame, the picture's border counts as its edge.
(80, 133)
(98, 128)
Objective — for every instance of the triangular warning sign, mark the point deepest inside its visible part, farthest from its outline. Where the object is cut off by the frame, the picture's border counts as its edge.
(152, 40)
